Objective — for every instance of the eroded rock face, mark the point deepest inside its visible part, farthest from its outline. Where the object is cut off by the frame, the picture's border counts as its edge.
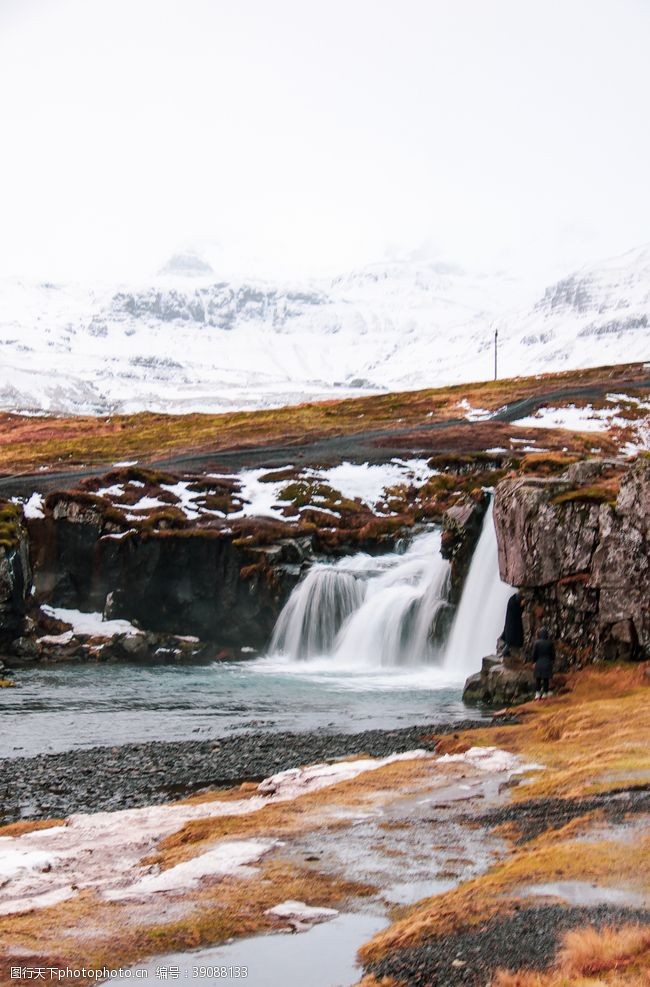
(461, 529)
(214, 583)
(195, 583)
(581, 561)
(15, 580)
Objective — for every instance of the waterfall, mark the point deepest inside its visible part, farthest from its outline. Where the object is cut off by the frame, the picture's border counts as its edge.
(315, 611)
(481, 612)
(370, 611)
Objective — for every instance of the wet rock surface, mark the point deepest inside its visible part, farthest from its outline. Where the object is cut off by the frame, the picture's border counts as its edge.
(527, 939)
(111, 778)
(461, 529)
(15, 573)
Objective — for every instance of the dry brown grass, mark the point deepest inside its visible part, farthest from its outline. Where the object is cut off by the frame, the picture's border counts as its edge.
(371, 981)
(314, 810)
(29, 826)
(601, 728)
(589, 739)
(27, 443)
(92, 932)
(610, 956)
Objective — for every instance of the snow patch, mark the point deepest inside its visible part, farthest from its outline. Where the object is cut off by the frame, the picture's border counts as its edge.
(474, 414)
(298, 781)
(33, 507)
(368, 482)
(16, 861)
(301, 915)
(91, 624)
(232, 859)
(586, 419)
(104, 850)
(491, 759)
(31, 903)
(64, 638)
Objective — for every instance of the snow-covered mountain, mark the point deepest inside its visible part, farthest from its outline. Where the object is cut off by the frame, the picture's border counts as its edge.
(189, 341)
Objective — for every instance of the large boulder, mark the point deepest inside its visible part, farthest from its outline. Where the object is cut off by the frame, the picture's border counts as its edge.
(500, 684)
(578, 548)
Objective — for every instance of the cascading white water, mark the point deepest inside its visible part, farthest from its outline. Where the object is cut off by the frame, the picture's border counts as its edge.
(369, 611)
(480, 615)
(315, 612)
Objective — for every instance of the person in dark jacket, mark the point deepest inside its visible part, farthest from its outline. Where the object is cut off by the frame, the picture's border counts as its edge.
(543, 656)
(513, 631)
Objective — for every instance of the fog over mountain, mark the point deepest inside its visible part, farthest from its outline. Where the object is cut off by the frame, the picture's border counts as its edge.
(190, 341)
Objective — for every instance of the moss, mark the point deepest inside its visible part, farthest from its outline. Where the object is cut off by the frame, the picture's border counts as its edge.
(586, 495)
(11, 517)
(546, 463)
(224, 503)
(276, 476)
(164, 518)
(316, 494)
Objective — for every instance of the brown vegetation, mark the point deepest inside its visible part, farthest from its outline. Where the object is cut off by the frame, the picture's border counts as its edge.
(27, 443)
(591, 739)
(590, 957)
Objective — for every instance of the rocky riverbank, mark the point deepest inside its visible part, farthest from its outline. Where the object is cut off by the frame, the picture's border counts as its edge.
(528, 853)
(112, 778)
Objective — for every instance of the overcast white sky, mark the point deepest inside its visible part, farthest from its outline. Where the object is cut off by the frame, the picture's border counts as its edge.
(311, 135)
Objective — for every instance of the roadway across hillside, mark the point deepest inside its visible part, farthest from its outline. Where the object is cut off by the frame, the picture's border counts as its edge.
(377, 444)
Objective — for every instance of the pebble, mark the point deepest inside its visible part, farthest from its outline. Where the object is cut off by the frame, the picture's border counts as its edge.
(110, 778)
(527, 939)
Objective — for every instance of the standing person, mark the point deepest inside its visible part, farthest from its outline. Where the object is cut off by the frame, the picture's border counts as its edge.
(543, 656)
(512, 634)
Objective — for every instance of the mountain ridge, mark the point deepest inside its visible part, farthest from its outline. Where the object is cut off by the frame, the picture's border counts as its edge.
(194, 342)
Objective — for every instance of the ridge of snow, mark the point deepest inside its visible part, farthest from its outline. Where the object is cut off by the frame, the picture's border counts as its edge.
(188, 344)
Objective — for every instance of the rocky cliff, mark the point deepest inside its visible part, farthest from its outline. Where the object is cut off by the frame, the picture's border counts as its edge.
(578, 547)
(15, 575)
(220, 584)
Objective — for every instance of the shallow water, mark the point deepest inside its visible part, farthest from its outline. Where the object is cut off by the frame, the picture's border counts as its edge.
(67, 706)
(325, 956)
(584, 893)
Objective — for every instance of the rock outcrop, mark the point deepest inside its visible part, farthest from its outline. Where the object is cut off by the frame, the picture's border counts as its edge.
(204, 583)
(500, 682)
(461, 530)
(578, 548)
(15, 573)
(221, 585)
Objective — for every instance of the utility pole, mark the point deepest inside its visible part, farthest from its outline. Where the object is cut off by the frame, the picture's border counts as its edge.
(496, 338)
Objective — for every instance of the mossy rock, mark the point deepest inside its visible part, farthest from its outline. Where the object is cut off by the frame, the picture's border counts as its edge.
(11, 518)
(586, 495)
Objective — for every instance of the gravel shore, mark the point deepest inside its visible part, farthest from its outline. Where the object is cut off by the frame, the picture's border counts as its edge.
(110, 778)
(540, 815)
(527, 939)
